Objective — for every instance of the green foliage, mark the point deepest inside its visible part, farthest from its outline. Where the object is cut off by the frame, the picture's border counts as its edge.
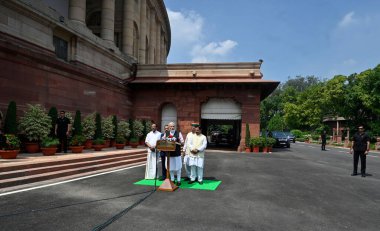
(130, 122)
(123, 129)
(88, 129)
(12, 142)
(98, 141)
(120, 139)
(147, 127)
(98, 126)
(35, 123)
(271, 141)
(247, 136)
(297, 133)
(77, 127)
(77, 140)
(115, 127)
(107, 127)
(10, 123)
(134, 140)
(256, 141)
(48, 142)
(276, 123)
(53, 113)
(138, 128)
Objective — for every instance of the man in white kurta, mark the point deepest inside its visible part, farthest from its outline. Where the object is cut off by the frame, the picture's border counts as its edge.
(186, 149)
(198, 145)
(150, 141)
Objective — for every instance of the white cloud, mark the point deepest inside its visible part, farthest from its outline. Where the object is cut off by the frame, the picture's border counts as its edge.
(347, 20)
(213, 51)
(189, 39)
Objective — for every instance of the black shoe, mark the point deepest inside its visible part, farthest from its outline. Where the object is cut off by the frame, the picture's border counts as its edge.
(200, 182)
(178, 183)
(187, 179)
(162, 178)
(191, 182)
(363, 175)
(354, 174)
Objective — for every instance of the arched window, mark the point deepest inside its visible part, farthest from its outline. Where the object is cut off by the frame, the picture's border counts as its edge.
(169, 114)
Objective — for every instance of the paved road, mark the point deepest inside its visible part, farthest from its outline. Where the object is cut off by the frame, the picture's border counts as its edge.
(301, 188)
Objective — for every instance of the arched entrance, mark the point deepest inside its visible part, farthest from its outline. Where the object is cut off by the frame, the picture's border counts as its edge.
(168, 114)
(221, 121)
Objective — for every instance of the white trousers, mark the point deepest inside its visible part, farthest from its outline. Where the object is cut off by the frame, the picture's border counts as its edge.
(150, 170)
(175, 172)
(196, 172)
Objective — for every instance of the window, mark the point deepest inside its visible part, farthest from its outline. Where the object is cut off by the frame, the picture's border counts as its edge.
(60, 46)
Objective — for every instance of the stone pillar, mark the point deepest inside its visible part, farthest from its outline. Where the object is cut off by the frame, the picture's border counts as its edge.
(152, 42)
(128, 16)
(157, 59)
(143, 26)
(77, 10)
(108, 20)
(162, 49)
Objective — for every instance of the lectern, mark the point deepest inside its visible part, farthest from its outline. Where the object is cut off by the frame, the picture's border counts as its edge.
(167, 146)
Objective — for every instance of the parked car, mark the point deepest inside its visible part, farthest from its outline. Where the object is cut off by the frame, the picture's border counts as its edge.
(282, 139)
(291, 137)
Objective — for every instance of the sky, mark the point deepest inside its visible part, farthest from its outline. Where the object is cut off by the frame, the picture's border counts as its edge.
(323, 38)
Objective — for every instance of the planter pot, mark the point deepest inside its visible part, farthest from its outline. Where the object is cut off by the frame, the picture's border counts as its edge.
(98, 147)
(127, 142)
(256, 149)
(134, 144)
(119, 146)
(113, 142)
(270, 149)
(9, 154)
(88, 144)
(32, 147)
(141, 142)
(247, 149)
(49, 151)
(265, 149)
(107, 143)
(76, 149)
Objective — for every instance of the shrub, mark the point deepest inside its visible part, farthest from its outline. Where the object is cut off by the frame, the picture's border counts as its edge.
(271, 141)
(123, 129)
(115, 127)
(88, 128)
(49, 142)
(77, 140)
(77, 127)
(10, 123)
(255, 141)
(120, 139)
(98, 141)
(107, 128)
(35, 123)
(297, 133)
(247, 136)
(12, 142)
(98, 126)
(138, 128)
(53, 113)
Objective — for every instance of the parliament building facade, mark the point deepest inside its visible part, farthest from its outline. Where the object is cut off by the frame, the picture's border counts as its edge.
(109, 56)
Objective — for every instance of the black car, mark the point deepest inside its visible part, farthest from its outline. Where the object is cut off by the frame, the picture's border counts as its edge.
(282, 139)
(291, 137)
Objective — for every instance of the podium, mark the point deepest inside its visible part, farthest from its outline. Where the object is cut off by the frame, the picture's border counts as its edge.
(167, 146)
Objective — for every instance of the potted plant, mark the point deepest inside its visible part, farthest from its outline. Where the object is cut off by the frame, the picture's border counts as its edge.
(49, 146)
(88, 129)
(10, 147)
(123, 129)
(115, 130)
(134, 142)
(270, 141)
(120, 142)
(255, 143)
(98, 144)
(264, 144)
(107, 130)
(76, 143)
(36, 125)
(138, 129)
(247, 138)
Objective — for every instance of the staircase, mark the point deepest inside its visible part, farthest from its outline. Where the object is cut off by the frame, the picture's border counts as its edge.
(31, 172)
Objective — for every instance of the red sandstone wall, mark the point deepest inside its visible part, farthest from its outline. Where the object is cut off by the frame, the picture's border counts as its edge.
(148, 104)
(39, 77)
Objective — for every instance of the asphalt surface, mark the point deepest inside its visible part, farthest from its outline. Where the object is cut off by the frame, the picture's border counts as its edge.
(301, 188)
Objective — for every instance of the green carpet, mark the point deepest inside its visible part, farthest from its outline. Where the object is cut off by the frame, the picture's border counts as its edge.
(207, 184)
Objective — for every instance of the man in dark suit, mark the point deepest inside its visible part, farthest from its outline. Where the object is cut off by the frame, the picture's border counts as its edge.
(163, 155)
(360, 145)
(62, 131)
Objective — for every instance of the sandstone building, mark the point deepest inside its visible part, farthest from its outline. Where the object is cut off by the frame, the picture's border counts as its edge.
(110, 56)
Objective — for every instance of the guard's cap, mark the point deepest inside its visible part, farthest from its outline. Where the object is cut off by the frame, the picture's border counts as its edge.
(195, 124)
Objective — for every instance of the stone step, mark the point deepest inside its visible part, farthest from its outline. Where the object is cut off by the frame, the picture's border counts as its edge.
(78, 158)
(10, 182)
(36, 169)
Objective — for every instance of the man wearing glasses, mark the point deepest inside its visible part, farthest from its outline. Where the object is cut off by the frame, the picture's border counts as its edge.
(360, 145)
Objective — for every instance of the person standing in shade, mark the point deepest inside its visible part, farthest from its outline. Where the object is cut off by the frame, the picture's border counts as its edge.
(186, 150)
(175, 157)
(62, 131)
(150, 141)
(198, 145)
(323, 138)
(163, 155)
(360, 145)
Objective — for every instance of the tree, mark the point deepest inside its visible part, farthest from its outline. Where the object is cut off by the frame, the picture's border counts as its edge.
(115, 126)
(10, 123)
(53, 113)
(98, 125)
(276, 123)
(247, 135)
(77, 127)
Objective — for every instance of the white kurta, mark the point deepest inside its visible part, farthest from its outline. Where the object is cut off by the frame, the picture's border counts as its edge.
(150, 170)
(198, 142)
(186, 148)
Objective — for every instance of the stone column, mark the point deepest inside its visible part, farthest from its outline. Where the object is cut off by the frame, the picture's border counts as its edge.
(152, 42)
(128, 16)
(108, 20)
(77, 10)
(158, 43)
(143, 22)
(162, 49)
